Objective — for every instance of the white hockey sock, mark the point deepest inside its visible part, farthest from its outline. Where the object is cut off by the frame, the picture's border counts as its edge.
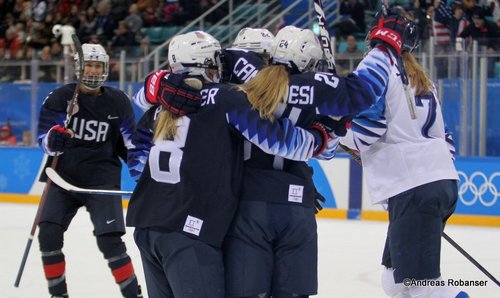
(391, 288)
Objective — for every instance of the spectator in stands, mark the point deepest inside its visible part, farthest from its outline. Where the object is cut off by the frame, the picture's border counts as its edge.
(170, 8)
(134, 20)
(11, 43)
(39, 10)
(482, 30)
(87, 24)
(105, 25)
(6, 136)
(355, 10)
(124, 38)
(47, 69)
(345, 59)
(496, 10)
(150, 10)
(458, 23)
(486, 34)
(188, 11)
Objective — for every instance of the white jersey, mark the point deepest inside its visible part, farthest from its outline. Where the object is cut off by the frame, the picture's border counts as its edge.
(398, 152)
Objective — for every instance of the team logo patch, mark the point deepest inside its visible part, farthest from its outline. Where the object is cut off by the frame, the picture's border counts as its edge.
(193, 225)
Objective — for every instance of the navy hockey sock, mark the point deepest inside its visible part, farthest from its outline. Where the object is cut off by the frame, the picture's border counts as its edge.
(119, 262)
(50, 238)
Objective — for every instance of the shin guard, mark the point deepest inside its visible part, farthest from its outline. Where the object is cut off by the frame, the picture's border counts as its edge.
(119, 262)
(50, 238)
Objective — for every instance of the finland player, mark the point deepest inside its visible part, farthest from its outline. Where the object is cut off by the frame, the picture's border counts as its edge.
(189, 164)
(408, 164)
(89, 155)
(271, 247)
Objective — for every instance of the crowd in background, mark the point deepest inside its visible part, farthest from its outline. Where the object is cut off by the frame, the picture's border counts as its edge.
(26, 27)
(444, 20)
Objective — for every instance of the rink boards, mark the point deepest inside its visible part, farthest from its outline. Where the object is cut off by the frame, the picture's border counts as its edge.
(339, 180)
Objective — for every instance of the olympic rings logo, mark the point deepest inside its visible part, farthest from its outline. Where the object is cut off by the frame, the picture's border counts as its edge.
(478, 184)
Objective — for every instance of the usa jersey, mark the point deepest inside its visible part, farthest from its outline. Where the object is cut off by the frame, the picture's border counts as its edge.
(310, 93)
(102, 128)
(410, 152)
(239, 66)
(191, 184)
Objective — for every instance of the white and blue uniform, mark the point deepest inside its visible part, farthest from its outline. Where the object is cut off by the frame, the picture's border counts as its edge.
(408, 165)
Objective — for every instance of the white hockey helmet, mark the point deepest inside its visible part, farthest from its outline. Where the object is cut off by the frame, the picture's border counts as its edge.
(93, 52)
(257, 40)
(194, 52)
(298, 46)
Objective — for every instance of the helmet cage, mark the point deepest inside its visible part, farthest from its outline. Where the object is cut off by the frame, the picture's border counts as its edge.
(92, 52)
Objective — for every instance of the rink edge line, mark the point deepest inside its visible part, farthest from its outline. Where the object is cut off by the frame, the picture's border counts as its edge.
(456, 219)
(30, 199)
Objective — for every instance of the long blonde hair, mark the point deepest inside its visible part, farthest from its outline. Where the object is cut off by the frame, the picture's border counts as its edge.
(166, 125)
(267, 89)
(417, 76)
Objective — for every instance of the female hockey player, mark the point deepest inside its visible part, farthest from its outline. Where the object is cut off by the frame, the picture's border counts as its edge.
(271, 247)
(189, 163)
(88, 152)
(408, 165)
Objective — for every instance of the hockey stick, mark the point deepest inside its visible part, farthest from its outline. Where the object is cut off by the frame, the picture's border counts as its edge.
(326, 43)
(470, 258)
(445, 236)
(59, 181)
(70, 111)
(404, 77)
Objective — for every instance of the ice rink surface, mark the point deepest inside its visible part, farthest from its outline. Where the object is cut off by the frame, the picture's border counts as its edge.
(349, 257)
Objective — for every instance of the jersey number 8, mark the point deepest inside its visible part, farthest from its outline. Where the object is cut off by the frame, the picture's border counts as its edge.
(174, 147)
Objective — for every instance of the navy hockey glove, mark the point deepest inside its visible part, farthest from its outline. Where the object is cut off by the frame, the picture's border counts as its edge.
(318, 202)
(59, 139)
(179, 94)
(152, 84)
(320, 138)
(338, 127)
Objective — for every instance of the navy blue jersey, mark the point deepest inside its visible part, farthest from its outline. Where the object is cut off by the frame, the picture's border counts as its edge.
(239, 66)
(316, 93)
(191, 184)
(103, 126)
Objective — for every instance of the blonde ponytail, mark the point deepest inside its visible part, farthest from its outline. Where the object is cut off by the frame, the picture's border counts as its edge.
(267, 89)
(417, 76)
(165, 126)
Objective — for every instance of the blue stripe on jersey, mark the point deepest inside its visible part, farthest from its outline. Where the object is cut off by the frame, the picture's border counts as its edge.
(140, 100)
(277, 138)
(369, 125)
(330, 150)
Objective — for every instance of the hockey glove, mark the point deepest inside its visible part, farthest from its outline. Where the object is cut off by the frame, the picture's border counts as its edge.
(338, 127)
(318, 202)
(179, 94)
(388, 31)
(59, 139)
(320, 138)
(152, 84)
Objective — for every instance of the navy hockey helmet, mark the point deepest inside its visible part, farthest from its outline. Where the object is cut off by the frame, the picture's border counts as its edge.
(397, 22)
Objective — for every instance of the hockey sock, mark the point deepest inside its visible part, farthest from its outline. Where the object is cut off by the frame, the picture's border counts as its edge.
(115, 252)
(50, 238)
(391, 288)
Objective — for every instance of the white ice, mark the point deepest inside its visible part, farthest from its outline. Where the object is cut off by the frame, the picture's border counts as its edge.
(349, 257)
